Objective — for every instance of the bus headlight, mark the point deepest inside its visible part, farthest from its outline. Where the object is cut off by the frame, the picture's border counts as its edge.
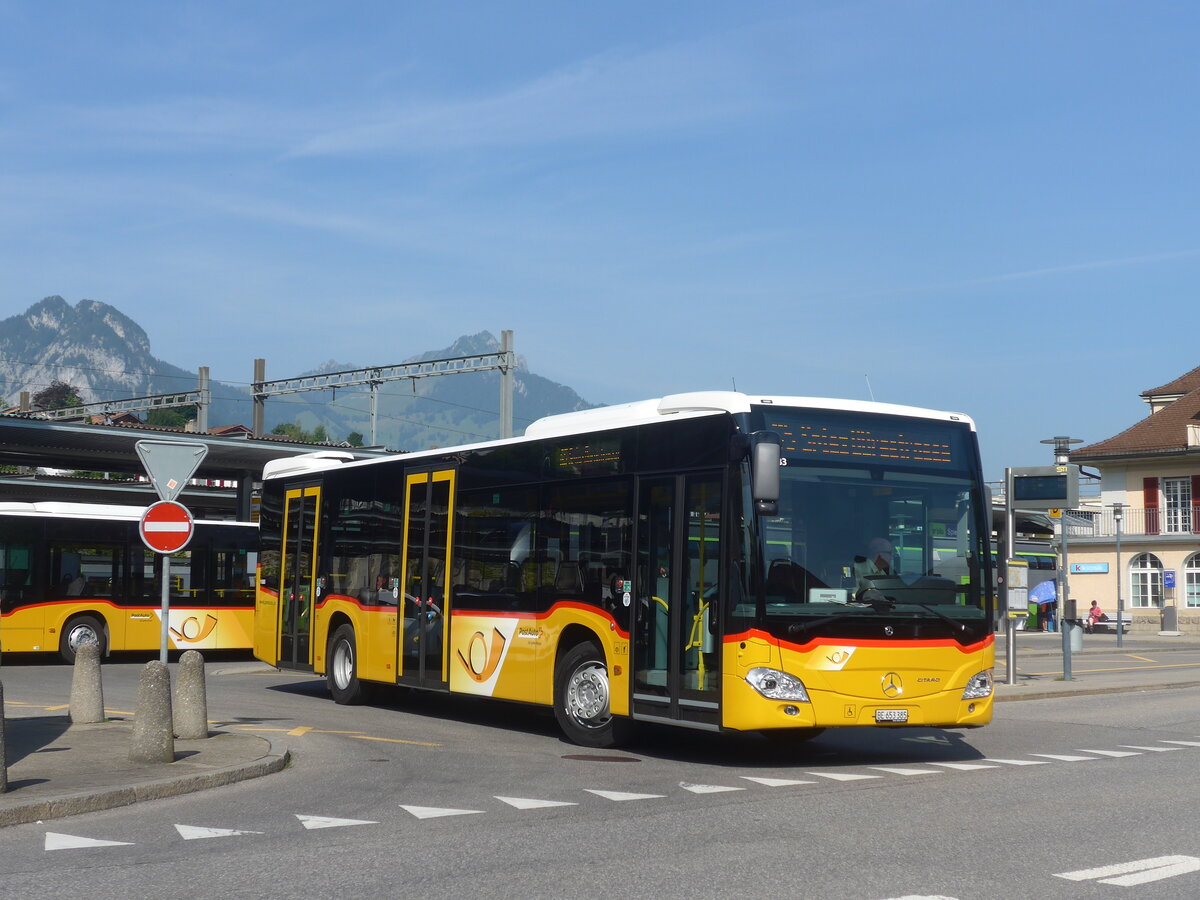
(776, 685)
(979, 687)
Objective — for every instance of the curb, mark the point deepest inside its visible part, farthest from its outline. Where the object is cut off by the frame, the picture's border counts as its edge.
(275, 760)
(1044, 694)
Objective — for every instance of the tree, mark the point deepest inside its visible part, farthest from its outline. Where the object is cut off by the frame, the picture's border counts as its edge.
(319, 435)
(177, 417)
(59, 395)
(354, 439)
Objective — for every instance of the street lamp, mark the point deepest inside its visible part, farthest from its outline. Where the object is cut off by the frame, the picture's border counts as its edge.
(1118, 509)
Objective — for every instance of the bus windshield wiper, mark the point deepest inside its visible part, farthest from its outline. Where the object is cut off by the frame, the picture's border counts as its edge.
(880, 602)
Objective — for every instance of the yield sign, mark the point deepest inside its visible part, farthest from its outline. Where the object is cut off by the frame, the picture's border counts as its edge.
(166, 526)
(170, 464)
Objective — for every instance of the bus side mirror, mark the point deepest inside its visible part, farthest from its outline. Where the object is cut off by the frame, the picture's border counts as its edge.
(764, 472)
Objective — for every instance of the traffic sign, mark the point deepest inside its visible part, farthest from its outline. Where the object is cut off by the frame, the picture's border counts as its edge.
(170, 464)
(166, 526)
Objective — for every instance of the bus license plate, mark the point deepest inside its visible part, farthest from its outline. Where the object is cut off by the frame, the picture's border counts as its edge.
(891, 715)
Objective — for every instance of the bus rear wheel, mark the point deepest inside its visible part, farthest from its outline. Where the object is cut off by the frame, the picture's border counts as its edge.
(581, 697)
(77, 632)
(342, 672)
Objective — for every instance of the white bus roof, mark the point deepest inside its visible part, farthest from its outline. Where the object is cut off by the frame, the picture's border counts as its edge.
(640, 412)
(710, 403)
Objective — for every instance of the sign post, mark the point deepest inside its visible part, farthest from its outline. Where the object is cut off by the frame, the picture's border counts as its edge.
(166, 527)
(1050, 489)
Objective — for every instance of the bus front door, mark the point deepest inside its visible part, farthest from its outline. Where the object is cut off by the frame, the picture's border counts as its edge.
(425, 604)
(298, 576)
(675, 651)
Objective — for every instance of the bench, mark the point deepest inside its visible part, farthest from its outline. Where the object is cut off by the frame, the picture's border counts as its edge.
(1110, 624)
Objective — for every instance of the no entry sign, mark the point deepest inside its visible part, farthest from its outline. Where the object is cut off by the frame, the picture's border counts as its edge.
(166, 526)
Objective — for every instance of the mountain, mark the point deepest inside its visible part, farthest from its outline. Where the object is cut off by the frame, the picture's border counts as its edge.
(106, 356)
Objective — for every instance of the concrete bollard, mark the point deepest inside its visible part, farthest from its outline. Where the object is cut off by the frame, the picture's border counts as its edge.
(153, 738)
(87, 693)
(191, 702)
(3, 746)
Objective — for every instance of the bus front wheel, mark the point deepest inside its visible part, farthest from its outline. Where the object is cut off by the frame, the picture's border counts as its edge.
(77, 632)
(581, 697)
(342, 674)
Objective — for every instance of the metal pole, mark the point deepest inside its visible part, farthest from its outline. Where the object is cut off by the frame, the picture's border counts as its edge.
(260, 409)
(507, 381)
(1120, 605)
(166, 608)
(374, 413)
(1063, 603)
(1010, 545)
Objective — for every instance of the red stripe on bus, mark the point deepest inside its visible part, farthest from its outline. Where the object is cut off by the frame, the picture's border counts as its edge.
(755, 633)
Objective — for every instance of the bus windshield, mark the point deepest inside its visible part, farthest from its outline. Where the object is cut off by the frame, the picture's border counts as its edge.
(877, 532)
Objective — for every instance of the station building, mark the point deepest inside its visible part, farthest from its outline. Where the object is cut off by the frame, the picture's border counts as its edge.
(1152, 469)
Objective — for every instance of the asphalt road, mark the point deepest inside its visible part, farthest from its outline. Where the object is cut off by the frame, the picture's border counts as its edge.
(414, 796)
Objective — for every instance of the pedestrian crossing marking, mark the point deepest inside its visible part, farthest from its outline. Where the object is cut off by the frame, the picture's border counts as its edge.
(707, 788)
(55, 841)
(526, 803)
(312, 822)
(434, 812)
(196, 833)
(1140, 871)
(899, 770)
(775, 782)
(622, 796)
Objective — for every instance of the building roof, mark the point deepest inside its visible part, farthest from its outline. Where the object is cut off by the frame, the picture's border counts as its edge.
(1184, 384)
(1165, 431)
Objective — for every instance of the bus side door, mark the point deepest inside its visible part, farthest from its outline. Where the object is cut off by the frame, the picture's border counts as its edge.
(298, 576)
(675, 650)
(425, 593)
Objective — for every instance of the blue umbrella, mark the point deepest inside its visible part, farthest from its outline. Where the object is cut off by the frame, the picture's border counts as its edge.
(1044, 593)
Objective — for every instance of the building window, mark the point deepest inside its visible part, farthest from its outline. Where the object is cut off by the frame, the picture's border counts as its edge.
(1146, 581)
(1177, 497)
(1191, 580)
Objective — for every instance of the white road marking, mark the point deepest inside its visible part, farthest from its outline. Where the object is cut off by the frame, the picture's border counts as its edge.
(195, 833)
(1141, 871)
(312, 822)
(775, 782)
(1151, 749)
(434, 812)
(1184, 743)
(1019, 762)
(1116, 754)
(707, 788)
(899, 770)
(1062, 757)
(525, 803)
(841, 776)
(964, 767)
(622, 796)
(55, 841)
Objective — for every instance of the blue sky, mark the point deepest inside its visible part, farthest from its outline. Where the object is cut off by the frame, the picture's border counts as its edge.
(985, 207)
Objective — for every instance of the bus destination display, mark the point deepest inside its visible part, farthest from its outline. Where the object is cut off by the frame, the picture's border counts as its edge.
(874, 442)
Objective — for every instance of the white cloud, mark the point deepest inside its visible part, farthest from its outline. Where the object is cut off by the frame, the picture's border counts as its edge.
(610, 95)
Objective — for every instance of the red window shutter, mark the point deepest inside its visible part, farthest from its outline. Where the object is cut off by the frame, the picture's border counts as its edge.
(1150, 502)
(1196, 504)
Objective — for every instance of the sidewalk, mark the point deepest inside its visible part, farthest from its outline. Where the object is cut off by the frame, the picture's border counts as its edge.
(57, 769)
(1142, 663)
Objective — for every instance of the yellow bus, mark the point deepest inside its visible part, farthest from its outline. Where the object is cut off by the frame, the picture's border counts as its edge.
(75, 573)
(712, 560)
